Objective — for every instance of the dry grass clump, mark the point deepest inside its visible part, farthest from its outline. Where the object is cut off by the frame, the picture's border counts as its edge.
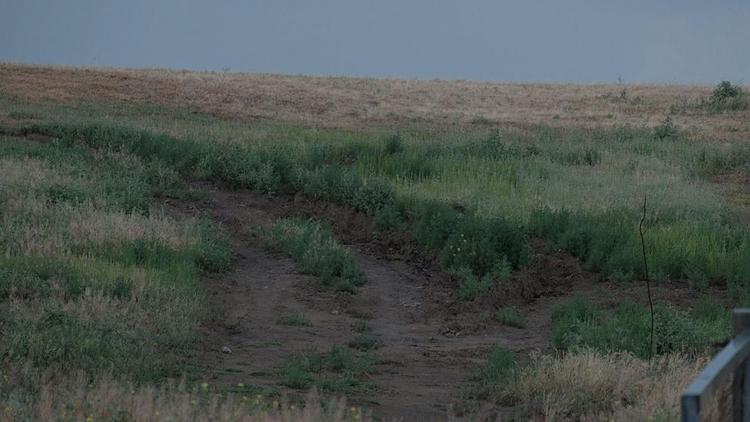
(87, 224)
(24, 171)
(594, 386)
(106, 399)
(48, 211)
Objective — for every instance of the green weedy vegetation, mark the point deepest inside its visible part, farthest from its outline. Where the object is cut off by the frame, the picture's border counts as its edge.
(338, 371)
(579, 324)
(297, 320)
(364, 342)
(500, 369)
(509, 317)
(316, 252)
(93, 276)
(727, 97)
(579, 189)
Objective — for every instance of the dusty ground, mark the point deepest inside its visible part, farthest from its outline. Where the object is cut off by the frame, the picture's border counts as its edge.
(431, 343)
(384, 103)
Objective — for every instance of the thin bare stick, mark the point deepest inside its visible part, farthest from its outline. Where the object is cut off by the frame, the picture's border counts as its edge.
(648, 280)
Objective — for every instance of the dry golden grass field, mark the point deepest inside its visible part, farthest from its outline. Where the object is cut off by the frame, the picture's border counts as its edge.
(342, 102)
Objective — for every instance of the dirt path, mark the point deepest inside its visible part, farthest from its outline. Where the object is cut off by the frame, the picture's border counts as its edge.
(431, 343)
(428, 359)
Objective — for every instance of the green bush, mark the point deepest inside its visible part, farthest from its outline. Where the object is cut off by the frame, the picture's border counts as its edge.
(486, 246)
(434, 223)
(727, 97)
(372, 195)
(389, 217)
(473, 286)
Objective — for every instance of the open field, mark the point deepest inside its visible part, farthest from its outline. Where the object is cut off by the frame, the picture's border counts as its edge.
(220, 244)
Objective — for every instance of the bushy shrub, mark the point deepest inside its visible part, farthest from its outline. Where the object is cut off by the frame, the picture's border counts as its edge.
(485, 246)
(389, 217)
(371, 195)
(726, 97)
(473, 286)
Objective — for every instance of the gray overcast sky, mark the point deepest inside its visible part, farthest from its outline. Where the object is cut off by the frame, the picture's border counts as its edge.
(676, 41)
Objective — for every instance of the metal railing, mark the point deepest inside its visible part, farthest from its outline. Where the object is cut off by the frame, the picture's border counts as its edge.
(722, 390)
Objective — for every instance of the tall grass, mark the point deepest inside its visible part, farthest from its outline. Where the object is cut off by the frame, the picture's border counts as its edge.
(107, 399)
(597, 386)
(93, 276)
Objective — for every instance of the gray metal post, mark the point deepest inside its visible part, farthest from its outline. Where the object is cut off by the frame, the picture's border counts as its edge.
(740, 390)
(691, 409)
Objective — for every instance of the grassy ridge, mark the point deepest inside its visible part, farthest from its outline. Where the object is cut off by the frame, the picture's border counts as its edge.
(283, 168)
(579, 189)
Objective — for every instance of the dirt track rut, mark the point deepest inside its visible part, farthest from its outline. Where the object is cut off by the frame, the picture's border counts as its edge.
(428, 360)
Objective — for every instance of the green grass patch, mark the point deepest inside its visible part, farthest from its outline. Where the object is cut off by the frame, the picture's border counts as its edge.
(510, 318)
(94, 277)
(500, 370)
(295, 320)
(316, 252)
(579, 324)
(364, 342)
(338, 371)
